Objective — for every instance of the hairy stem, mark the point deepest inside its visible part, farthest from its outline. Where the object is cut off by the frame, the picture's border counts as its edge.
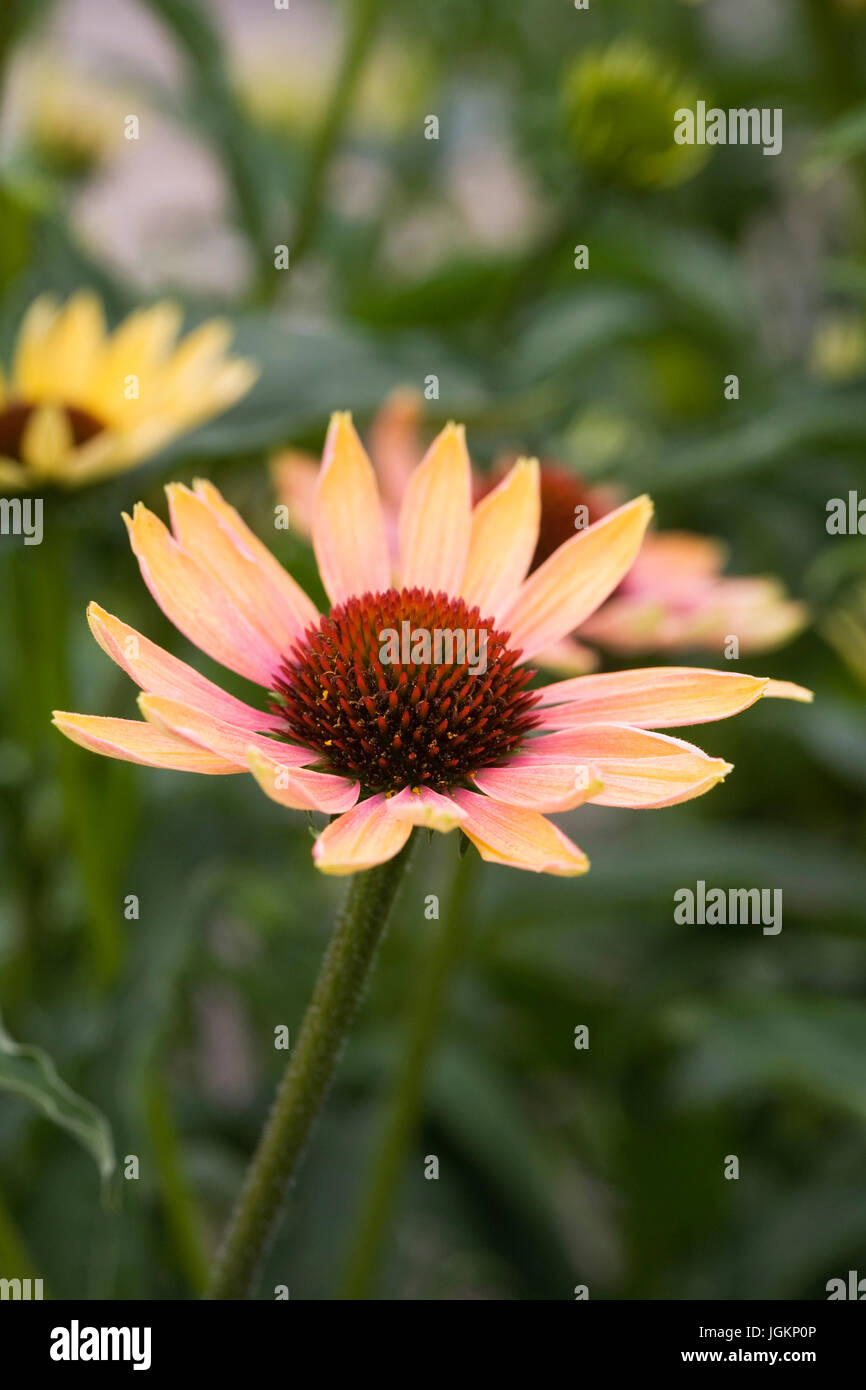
(301, 1093)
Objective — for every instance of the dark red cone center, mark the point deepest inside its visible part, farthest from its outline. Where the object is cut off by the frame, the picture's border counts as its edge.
(405, 688)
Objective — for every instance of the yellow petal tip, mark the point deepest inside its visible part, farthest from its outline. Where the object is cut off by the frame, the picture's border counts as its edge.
(789, 690)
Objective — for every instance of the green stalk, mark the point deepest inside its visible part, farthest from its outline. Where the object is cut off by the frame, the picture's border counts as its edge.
(181, 1213)
(84, 817)
(404, 1104)
(197, 34)
(301, 1093)
(15, 1260)
(42, 602)
(363, 22)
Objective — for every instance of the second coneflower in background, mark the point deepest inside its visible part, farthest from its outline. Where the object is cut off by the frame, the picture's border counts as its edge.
(80, 403)
(674, 598)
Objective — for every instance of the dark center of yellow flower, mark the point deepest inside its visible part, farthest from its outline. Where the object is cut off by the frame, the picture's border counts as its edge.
(15, 417)
(405, 688)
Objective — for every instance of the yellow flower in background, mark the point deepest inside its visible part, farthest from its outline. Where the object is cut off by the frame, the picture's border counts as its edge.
(619, 107)
(81, 403)
(838, 350)
(72, 122)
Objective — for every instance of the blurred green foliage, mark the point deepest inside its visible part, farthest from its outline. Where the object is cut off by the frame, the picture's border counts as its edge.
(557, 1166)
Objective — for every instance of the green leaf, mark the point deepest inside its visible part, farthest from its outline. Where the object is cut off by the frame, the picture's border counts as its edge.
(693, 273)
(766, 443)
(462, 290)
(568, 329)
(842, 140)
(480, 1110)
(811, 1045)
(29, 1072)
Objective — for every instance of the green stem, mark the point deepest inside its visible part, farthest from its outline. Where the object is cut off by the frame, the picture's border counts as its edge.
(404, 1104)
(41, 596)
(301, 1093)
(365, 15)
(84, 817)
(835, 53)
(15, 1261)
(181, 1213)
(198, 36)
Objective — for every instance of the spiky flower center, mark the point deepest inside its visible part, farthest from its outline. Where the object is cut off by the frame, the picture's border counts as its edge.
(15, 418)
(405, 688)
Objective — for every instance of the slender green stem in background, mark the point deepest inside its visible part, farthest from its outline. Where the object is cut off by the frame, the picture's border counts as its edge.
(15, 15)
(301, 1093)
(83, 814)
(837, 59)
(363, 22)
(404, 1103)
(181, 1211)
(198, 35)
(39, 594)
(148, 1012)
(15, 1260)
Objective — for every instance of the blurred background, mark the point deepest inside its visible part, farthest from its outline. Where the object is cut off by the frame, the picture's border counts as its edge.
(156, 928)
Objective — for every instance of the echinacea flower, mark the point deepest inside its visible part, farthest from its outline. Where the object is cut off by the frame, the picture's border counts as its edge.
(81, 403)
(674, 598)
(387, 741)
(619, 110)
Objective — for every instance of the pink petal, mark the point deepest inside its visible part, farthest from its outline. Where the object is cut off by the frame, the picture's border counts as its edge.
(348, 526)
(503, 539)
(365, 836)
(435, 518)
(673, 563)
(226, 740)
(395, 443)
(655, 697)
(422, 806)
(519, 838)
(576, 578)
(628, 624)
(568, 656)
(638, 769)
(159, 673)
(277, 588)
(199, 531)
(296, 477)
(788, 690)
(132, 741)
(299, 788)
(197, 603)
(540, 786)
